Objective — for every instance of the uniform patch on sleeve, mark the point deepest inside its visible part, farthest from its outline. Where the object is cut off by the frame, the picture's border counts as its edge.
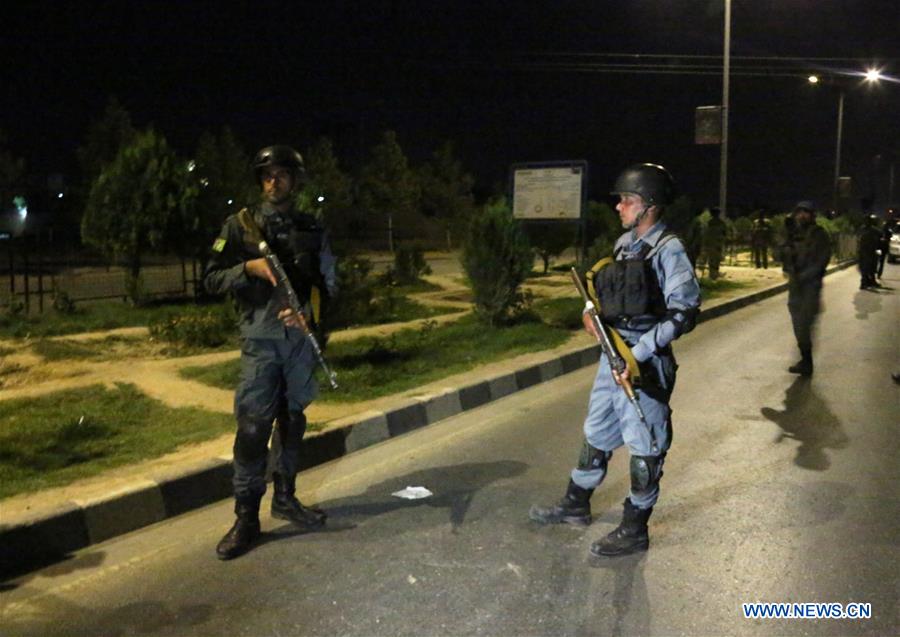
(219, 245)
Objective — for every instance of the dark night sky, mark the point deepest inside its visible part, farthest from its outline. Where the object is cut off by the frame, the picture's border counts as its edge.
(435, 71)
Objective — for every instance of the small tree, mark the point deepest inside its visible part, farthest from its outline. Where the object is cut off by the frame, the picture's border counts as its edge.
(11, 170)
(329, 191)
(224, 184)
(550, 239)
(143, 199)
(496, 258)
(105, 137)
(389, 188)
(446, 190)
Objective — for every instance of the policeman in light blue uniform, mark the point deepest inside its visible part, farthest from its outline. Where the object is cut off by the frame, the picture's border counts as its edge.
(277, 360)
(650, 296)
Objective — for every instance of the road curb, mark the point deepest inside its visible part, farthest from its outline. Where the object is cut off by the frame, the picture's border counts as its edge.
(31, 542)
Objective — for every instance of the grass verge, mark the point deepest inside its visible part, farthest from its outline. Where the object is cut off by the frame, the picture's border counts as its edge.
(373, 367)
(710, 289)
(68, 435)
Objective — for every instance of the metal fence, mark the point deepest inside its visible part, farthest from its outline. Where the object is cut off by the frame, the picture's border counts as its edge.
(35, 268)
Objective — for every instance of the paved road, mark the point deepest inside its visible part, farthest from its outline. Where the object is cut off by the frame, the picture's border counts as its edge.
(776, 489)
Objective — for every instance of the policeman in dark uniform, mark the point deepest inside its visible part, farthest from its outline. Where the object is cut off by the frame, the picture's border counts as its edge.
(867, 248)
(805, 256)
(277, 360)
(760, 237)
(649, 295)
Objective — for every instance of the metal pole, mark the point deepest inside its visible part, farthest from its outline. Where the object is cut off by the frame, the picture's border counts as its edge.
(723, 160)
(837, 152)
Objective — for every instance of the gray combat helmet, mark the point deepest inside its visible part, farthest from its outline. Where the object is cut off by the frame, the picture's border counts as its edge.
(651, 181)
(279, 155)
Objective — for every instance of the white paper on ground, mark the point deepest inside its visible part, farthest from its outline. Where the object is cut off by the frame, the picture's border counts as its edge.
(413, 493)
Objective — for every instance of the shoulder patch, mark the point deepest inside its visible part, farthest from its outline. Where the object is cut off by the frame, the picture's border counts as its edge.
(219, 245)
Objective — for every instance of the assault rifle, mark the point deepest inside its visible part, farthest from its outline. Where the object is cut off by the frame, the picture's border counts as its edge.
(616, 363)
(284, 284)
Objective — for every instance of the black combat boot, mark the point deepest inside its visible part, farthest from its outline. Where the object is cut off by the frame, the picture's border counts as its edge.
(629, 537)
(285, 506)
(245, 531)
(804, 366)
(574, 508)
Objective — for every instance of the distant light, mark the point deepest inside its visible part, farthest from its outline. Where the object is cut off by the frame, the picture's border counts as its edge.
(320, 198)
(59, 196)
(191, 166)
(873, 75)
(204, 182)
(813, 79)
(230, 201)
(21, 206)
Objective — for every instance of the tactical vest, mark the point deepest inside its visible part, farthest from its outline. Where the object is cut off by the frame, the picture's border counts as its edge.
(629, 287)
(297, 239)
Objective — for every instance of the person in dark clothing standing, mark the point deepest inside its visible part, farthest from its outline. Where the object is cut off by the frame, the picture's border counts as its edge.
(761, 236)
(805, 256)
(867, 253)
(884, 245)
(277, 360)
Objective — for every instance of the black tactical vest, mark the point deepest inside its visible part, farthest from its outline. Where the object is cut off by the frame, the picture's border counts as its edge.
(296, 238)
(629, 287)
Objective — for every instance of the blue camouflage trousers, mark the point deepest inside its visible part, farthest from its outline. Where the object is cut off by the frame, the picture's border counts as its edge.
(276, 382)
(612, 422)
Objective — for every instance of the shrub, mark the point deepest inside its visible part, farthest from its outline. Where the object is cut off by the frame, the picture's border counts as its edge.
(63, 303)
(200, 327)
(496, 258)
(409, 265)
(355, 293)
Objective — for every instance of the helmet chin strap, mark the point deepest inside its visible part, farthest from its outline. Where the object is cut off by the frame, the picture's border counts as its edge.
(638, 217)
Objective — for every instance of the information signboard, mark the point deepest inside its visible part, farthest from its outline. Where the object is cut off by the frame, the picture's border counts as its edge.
(549, 191)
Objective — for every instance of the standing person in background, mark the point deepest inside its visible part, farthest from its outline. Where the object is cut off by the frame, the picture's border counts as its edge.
(867, 253)
(277, 360)
(760, 238)
(714, 241)
(884, 245)
(805, 256)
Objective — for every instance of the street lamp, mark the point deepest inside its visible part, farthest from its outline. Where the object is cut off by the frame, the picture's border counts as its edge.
(871, 76)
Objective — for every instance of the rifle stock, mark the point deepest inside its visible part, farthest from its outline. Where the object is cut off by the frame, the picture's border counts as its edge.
(616, 362)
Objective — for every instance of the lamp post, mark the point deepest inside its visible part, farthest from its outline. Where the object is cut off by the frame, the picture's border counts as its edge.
(723, 158)
(871, 76)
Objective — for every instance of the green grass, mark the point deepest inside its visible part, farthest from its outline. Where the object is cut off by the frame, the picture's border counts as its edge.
(372, 367)
(55, 439)
(564, 313)
(88, 317)
(710, 289)
(91, 317)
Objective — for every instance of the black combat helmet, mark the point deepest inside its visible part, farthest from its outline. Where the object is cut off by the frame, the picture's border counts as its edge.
(651, 181)
(807, 205)
(279, 155)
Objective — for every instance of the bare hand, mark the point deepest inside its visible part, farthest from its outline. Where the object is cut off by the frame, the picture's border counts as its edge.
(260, 269)
(621, 377)
(589, 326)
(290, 318)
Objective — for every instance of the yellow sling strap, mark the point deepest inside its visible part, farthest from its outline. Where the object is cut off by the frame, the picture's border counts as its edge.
(618, 342)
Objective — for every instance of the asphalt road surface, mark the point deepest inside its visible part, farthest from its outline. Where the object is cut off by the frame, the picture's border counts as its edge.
(777, 489)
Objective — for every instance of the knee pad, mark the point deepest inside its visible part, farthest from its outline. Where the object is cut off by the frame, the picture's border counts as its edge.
(252, 441)
(645, 473)
(291, 428)
(593, 459)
